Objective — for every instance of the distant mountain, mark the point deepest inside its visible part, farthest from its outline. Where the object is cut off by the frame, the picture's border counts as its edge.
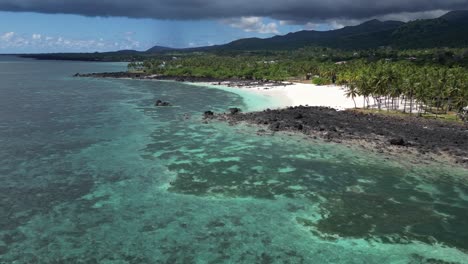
(127, 51)
(450, 30)
(157, 49)
(367, 35)
(456, 15)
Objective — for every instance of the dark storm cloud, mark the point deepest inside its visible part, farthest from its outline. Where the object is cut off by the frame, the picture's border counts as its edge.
(290, 10)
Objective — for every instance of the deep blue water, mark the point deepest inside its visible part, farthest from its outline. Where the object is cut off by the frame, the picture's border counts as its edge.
(91, 172)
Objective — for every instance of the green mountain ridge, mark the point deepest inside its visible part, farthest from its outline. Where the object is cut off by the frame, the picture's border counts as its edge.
(370, 31)
(450, 30)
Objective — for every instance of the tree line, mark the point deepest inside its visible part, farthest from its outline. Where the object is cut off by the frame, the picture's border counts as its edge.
(418, 80)
(437, 89)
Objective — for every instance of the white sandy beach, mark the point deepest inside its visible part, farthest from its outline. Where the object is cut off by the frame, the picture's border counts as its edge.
(303, 94)
(312, 95)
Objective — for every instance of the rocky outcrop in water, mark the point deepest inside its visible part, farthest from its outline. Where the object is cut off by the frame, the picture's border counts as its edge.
(161, 103)
(208, 114)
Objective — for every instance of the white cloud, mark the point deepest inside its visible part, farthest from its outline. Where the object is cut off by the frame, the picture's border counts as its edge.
(128, 42)
(252, 24)
(7, 36)
(407, 16)
(12, 41)
(404, 17)
(310, 26)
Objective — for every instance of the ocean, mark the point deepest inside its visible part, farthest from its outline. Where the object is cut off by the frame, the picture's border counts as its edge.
(92, 172)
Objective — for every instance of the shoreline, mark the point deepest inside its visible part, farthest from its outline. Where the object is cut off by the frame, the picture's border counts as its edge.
(300, 94)
(413, 138)
(325, 112)
(233, 82)
(283, 93)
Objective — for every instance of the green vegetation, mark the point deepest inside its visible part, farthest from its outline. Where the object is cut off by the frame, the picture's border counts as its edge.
(222, 67)
(427, 89)
(424, 81)
(321, 81)
(277, 65)
(449, 30)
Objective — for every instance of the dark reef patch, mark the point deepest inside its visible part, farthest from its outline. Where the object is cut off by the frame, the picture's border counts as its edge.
(376, 217)
(19, 204)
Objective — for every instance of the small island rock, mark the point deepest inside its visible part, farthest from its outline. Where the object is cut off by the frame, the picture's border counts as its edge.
(208, 114)
(161, 103)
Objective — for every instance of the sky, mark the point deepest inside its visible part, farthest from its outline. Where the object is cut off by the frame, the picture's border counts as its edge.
(32, 26)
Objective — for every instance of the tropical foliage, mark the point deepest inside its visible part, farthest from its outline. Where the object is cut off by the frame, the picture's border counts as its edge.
(420, 80)
(436, 89)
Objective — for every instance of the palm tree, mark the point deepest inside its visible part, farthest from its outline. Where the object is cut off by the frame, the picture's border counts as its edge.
(352, 92)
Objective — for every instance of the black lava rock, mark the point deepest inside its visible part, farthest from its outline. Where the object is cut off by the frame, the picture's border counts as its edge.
(234, 111)
(208, 114)
(397, 142)
(275, 126)
(298, 116)
(161, 103)
(425, 135)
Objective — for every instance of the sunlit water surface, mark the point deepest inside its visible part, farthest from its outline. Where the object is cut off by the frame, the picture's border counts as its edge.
(91, 172)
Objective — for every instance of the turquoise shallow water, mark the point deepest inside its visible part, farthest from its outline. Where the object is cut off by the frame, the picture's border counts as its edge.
(90, 172)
